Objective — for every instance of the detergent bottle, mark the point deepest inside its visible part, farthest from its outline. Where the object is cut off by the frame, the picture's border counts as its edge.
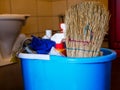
(59, 38)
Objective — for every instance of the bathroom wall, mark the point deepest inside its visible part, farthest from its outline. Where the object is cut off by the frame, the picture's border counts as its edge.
(44, 13)
(71, 2)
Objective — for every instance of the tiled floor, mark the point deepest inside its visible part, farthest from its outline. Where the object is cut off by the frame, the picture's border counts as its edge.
(11, 77)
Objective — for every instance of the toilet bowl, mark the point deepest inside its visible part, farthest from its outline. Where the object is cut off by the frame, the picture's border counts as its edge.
(10, 28)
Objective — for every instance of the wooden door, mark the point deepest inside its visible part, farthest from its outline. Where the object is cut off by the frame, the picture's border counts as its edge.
(114, 32)
(114, 41)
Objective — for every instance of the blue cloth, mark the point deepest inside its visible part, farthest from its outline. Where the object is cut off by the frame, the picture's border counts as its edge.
(41, 46)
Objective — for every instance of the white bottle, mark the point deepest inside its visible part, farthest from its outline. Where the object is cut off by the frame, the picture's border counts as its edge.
(58, 37)
(48, 34)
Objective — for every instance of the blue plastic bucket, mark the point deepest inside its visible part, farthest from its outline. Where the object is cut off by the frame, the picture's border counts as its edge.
(63, 73)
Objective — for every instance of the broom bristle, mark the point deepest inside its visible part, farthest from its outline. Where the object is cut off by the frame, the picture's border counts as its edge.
(86, 26)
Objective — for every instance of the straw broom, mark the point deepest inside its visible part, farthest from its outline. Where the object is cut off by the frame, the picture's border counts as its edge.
(86, 25)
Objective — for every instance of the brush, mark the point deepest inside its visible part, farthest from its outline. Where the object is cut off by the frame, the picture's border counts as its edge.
(86, 25)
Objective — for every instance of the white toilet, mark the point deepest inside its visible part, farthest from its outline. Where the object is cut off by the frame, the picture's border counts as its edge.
(10, 27)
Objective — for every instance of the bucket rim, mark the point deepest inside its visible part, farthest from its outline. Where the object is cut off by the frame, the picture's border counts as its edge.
(108, 55)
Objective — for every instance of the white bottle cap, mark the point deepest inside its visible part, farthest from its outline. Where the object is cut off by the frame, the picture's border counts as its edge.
(49, 33)
(63, 27)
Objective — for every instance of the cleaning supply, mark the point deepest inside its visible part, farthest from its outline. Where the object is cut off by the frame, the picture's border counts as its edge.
(86, 25)
(48, 34)
(59, 38)
(60, 45)
(63, 27)
(41, 46)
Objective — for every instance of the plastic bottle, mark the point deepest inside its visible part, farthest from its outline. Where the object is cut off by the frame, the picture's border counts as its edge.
(59, 38)
(48, 34)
